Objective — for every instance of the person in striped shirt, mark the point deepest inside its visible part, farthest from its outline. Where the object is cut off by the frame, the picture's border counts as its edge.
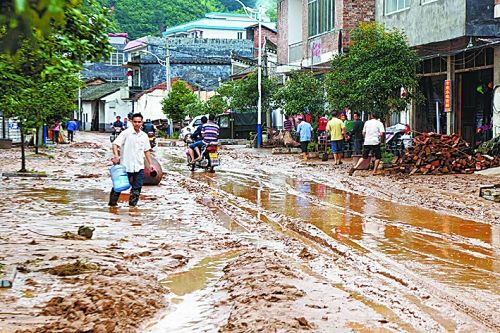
(210, 132)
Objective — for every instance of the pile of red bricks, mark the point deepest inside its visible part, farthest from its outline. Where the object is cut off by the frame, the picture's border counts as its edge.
(433, 153)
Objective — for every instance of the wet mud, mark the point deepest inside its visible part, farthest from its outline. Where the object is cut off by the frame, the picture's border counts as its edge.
(266, 244)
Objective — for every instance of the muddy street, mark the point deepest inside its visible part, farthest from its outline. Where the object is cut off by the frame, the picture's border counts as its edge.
(268, 243)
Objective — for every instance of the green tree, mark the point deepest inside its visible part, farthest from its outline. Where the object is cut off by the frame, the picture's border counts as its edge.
(175, 106)
(301, 91)
(370, 77)
(217, 104)
(243, 94)
(39, 81)
(141, 18)
(197, 108)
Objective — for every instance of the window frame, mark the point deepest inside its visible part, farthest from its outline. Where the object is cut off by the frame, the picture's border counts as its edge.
(114, 58)
(406, 6)
(321, 24)
(426, 2)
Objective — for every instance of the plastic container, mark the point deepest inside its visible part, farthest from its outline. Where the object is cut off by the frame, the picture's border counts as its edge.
(119, 177)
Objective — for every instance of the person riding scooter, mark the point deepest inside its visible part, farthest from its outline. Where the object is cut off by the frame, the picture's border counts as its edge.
(116, 128)
(197, 141)
(150, 130)
(118, 123)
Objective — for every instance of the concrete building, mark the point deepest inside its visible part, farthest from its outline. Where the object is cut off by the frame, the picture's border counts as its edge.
(459, 43)
(101, 102)
(311, 32)
(109, 69)
(201, 62)
(216, 25)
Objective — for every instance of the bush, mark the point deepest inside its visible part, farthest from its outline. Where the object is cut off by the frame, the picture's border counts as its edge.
(387, 156)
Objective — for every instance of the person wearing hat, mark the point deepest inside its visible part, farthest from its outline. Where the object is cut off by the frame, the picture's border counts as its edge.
(304, 129)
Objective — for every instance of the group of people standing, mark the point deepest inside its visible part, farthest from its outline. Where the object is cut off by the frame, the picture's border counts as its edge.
(71, 128)
(365, 137)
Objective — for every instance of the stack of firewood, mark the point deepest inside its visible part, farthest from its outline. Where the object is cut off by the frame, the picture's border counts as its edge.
(434, 153)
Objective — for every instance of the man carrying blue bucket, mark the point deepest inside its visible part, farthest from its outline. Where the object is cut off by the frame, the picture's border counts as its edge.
(129, 149)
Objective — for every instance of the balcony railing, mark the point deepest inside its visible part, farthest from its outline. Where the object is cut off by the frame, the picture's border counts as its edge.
(295, 52)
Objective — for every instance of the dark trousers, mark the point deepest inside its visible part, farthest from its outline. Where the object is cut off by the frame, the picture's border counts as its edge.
(358, 146)
(70, 136)
(136, 180)
(55, 136)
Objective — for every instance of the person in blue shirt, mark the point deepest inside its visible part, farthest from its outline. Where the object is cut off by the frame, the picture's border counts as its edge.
(71, 127)
(304, 129)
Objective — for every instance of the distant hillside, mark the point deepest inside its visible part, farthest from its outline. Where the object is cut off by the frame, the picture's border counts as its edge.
(149, 17)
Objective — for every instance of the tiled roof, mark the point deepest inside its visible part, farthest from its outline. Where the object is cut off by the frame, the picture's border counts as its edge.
(94, 92)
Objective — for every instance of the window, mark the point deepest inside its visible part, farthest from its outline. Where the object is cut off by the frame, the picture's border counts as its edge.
(392, 6)
(321, 16)
(224, 122)
(240, 35)
(423, 2)
(116, 58)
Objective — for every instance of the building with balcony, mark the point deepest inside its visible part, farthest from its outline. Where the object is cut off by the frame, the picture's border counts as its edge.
(311, 32)
(459, 44)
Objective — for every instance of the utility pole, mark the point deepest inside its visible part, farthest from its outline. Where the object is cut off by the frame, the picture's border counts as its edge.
(259, 83)
(167, 67)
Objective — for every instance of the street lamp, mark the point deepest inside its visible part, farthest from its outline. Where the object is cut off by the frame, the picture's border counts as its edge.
(165, 63)
(250, 11)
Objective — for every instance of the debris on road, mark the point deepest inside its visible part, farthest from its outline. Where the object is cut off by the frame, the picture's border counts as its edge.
(490, 192)
(434, 153)
(7, 276)
(86, 231)
(78, 267)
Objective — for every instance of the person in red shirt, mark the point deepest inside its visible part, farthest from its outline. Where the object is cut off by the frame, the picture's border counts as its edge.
(322, 122)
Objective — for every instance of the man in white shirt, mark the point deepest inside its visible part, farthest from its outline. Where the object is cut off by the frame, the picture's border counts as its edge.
(373, 131)
(129, 149)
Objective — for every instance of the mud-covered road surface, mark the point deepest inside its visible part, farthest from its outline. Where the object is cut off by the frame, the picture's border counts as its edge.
(268, 243)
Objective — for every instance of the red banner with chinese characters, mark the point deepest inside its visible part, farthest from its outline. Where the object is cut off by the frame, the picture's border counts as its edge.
(447, 95)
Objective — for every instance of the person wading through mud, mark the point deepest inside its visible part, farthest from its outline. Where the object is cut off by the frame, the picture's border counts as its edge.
(374, 134)
(337, 131)
(304, 130)
(130, 148)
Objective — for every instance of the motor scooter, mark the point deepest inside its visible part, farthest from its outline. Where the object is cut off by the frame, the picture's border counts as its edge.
(115, 132)
(152, 139)
(398, 138)
(209, 158)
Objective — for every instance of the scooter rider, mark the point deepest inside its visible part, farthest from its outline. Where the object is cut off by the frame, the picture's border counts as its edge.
(118, 123)
(148, 126)
(197, 141)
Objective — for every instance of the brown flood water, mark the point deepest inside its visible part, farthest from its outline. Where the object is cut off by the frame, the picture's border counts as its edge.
(462, 253)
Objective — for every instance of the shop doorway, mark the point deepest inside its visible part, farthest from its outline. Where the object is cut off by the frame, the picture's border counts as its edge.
(475, 113)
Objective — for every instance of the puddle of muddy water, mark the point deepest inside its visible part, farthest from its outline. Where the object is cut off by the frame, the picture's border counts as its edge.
(459, 252)
(192, 297)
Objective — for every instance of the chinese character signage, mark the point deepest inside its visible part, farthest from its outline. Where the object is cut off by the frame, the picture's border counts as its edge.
(447, 95)
(316, 51)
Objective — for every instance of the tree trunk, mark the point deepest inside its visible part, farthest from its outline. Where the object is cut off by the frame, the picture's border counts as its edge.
(23, 156)
(37, 143)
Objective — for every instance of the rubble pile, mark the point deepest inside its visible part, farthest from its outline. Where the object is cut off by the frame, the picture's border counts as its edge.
(434, 153)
